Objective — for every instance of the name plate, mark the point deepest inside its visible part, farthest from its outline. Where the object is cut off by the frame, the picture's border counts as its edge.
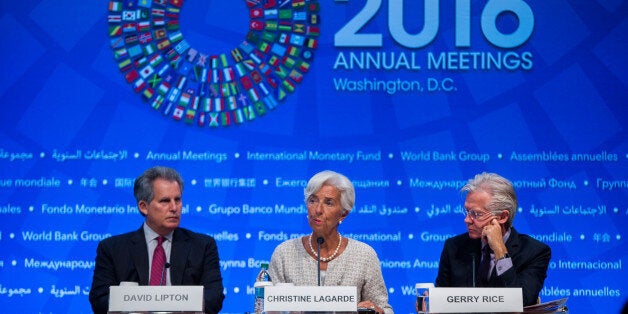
(475, 300)
(155, 298)
(310, 298)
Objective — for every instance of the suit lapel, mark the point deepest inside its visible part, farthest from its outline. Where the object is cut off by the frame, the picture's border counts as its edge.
(178, 256)
(139, 254)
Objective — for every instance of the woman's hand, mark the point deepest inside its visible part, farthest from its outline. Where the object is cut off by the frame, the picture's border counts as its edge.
(370, 305)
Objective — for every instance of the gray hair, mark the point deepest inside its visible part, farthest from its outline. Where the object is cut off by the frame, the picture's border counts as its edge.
(501, 191)
(337, 180)
(143, 187)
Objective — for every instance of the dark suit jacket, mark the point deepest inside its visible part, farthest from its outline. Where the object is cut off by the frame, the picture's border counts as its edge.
(530, 259)
(193, 259)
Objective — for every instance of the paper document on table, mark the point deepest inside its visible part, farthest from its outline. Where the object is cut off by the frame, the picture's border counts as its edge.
(547, 307)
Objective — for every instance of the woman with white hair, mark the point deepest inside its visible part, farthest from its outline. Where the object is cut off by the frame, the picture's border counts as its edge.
(329, 197)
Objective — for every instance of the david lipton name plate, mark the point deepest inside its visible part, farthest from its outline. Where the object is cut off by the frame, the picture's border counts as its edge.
(156, 298)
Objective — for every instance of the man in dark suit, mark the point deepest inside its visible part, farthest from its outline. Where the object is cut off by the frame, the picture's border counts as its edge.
(184, 258)
(502, 256)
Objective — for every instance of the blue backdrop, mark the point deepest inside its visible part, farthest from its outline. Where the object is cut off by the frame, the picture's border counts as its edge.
(248, 99)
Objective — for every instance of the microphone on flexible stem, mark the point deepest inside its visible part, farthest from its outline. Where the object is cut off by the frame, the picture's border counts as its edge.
(320, 241)
(163, 274)
(473, 268)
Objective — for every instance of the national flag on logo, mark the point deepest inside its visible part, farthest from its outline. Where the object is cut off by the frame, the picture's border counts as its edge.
(216, 76)
(219, 104)
(269, 4)
(237, 56)
(144, 3)
(160, 34)
(284, 38)
(249, 64)
(296, 76)
(130, 39)
(240, 69)
(129, 15)
(115, 6)
(256, 25)
(184, 100)
(178, 113)
(299, 16)
(232, 103)
(206, 104)
(157, 12)
(246, 47)
(143, 26)
(256, 77)
(147, 71)
(242, 100)
(284, 26)
(139, 85)
(223, 59)
(263, 88)
(285, 14)
(259, 108)
(129, 27)
(120, 53)
(253, 95)
(313, 7)
(159, 21)
(270, 14)
(117, 42)
(213, 62)
(288, 85)
(148, 93)
(175, 36)
(256, 13)
(278, 49)
(145, 37)
(131, 4)
(213, 119)
(135, 51)
(160, 2)
(314, 20)
(313, 30)
(143, 14)
(154, 81)
(252, 37)
(149, 49)
(298, 3)
(172, 24)
(246, 82)
(288, 62)
(298, 28)
(163, 44)
(229, 75)
(281, 72)
(140, 62)
(270, 101)
(176, 3)
(311, 43)
(293, 51)
(249, 113)
(124, 65)
(163, 88)
(159, 99)
(173, 13)
(271, 81)
(114, 18)
(264, 47)
(189, 116)
(225, 118)
(252, 3)
(274, 61)
(131, 76)
(239, 116)
(271, 25)
(268, 36)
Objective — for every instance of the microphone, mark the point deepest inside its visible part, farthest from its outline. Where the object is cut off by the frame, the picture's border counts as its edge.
(473, 268)
(320, 241)
(163, 274)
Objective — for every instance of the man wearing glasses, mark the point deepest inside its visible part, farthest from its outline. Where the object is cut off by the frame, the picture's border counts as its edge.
(492, 253)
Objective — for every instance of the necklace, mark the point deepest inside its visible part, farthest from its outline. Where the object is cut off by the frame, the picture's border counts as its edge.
(325, 259)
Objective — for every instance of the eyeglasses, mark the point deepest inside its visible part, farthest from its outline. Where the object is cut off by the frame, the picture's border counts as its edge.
(314, 201)
(476, 215)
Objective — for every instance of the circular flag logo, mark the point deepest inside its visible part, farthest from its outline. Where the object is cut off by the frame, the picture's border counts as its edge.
(220, 88)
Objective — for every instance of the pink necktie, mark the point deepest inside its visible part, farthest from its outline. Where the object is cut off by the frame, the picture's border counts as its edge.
(158, 271)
